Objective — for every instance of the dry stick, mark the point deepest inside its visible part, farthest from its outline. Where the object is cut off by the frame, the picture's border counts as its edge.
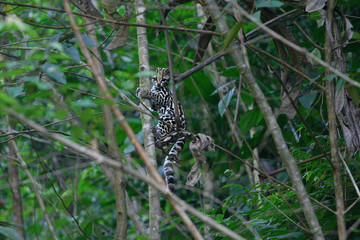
(99, 158)
(113, 21)
(127, 129)
(330, 102)
(350, 175)
(270, 120)
(34, 184)
(146, 119)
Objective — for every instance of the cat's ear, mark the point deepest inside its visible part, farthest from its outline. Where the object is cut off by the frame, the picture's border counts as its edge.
(153, 68)
(167, 71)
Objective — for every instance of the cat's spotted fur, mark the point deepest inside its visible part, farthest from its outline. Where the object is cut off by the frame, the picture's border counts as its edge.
(166, 132)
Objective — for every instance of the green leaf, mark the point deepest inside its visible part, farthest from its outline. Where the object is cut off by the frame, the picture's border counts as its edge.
(308, 99)
(61, 114)
(308, 175)
(330, 77)
(312, 80)
(77, 132)
(232, 71)
(67, 197)
(249, 119)
(226, 99)
(6, 101)
(231, 34)
(15, 91)
(9, 232)
(257, 15)
(85, 103)
(36, 80)
(316, 52)
(269, 4)
(88, 41)
(221, 88)
(11, 73)
(339, 84)
(142, 238)
(72, 51)
(88, 228)
(145, 73)
(354, 94)
(54, 72)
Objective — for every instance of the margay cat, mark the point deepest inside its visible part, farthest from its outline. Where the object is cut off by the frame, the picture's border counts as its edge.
(165, 132)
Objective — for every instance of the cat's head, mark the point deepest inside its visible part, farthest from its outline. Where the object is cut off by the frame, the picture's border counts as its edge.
(162, 76)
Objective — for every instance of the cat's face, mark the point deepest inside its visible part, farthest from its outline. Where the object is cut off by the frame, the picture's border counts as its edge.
(162, 76)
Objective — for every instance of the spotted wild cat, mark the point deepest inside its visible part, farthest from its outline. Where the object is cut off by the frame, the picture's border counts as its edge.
(165, 132)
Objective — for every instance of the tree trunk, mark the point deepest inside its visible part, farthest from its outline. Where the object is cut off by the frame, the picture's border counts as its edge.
(330, 102)
(120, 186)
(154, 198)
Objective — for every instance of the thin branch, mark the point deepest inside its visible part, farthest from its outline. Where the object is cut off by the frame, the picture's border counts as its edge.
(350, 175)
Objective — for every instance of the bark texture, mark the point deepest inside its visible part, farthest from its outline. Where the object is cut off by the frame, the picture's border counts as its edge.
(154, 198)
(120, 186)
(330, 102)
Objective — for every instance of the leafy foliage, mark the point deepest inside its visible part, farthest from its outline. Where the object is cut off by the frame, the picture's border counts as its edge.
(37, 42)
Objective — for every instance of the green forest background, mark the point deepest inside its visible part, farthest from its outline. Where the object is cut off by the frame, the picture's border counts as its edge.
(282, 119)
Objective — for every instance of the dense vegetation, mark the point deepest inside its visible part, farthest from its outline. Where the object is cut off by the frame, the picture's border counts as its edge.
(269, 97)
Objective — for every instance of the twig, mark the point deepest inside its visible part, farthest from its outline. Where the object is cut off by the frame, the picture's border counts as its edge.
(350, 175)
